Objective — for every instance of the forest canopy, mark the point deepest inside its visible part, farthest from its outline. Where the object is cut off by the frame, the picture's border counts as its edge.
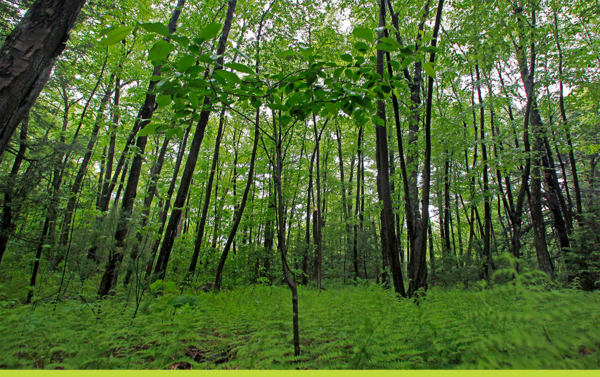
(182, 160)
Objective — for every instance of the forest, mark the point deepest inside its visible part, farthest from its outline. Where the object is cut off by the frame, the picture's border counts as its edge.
(299, 184)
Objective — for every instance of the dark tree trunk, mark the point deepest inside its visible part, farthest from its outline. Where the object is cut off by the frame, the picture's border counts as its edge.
(165, 210)
(109, 278)
(6, 223)
(418, 278)
(188, 172)
(73, 195)
(150, 194)
(281, 237)
(537, 217)
(36, 263)
(240, 211)
(447, 214)
(317, 218)
(27, 57)
(388, 237)
(487, 216)
(111, 147)
(563, 115)
(555, 201)
(207, 197)
(532, 115)
(356, 210)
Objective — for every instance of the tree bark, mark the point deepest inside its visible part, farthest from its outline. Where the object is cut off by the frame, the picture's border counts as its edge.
(171, 231)
(207, 197)
(6, 223)
(109, 278)
(66, 227)
(388, 237)
(27, 57)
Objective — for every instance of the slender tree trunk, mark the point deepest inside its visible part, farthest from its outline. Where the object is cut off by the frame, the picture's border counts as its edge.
(563, 114)
(388, 237)
(66, 227)
(357, 208)
(317, 220)
(109, 278)
(487, 216)
(36, 262)
(148, 198)
(207, 197)
(6, 223)
(281, 237)
(111, 145)
(240, 211)
(165, 210)
(171, 231)
(418, 279)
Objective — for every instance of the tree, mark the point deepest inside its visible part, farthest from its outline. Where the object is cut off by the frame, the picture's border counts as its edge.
(28, 56)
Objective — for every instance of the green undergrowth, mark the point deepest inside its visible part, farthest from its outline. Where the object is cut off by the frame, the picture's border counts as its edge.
(513, 325)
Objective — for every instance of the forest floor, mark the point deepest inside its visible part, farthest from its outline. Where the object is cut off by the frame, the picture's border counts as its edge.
(358, 327)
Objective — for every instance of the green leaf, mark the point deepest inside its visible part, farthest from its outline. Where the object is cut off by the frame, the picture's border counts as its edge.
(194, 71)
(361, 46)
(170, 286)
(182, 40)
(346, 58)
(363, 33)
(156, 285)
(230, 77)
(389, 41)
(311, 77)
(430, 49)
(209, 32)
(185, 299)
(170, 133)
(179, 131)
(160, 51)
(182, 114)
(406, 62)
(286, 53)
(240, 68)
(115, 35)
(185, 62)
(156, 27)
(429, 69)
(205, 58)
(289, 88)
(306, 51)
(163, 100)
(148, 130)
(387, 47)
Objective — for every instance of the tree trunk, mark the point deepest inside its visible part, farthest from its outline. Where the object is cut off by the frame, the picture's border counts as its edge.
(116, 256)
(317, 220)
(418, 279)
(207, 197)
(36, 262)
(27, 57)
(281, 238)
(66, 227)
(240, 211)
(149, 197)
(6, 223)
(487, 216)
(188, 172)
(388, 237)
(165, 210)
